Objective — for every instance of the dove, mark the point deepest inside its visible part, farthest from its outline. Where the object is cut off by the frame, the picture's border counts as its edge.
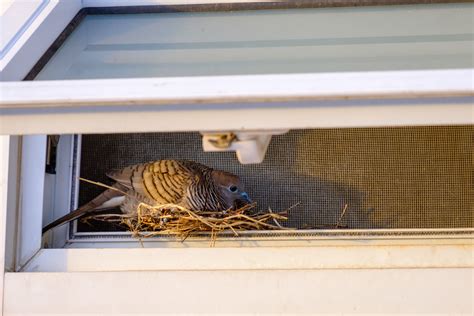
(182, 182)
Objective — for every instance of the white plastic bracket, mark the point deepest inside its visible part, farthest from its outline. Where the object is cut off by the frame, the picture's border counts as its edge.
(250, 146)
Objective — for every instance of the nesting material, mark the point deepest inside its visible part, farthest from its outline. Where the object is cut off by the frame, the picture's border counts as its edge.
(170, 219)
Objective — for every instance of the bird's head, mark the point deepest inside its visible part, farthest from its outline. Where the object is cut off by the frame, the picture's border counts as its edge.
(231, 189)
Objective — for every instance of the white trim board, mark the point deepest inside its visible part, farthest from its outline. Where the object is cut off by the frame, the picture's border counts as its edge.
(251, 292)
(4, 164)
(262, 116)
(37, 37)
(13, 152)
(31, 197)
(367, 256)
(399, 98)
(238, 89)
(16, 19)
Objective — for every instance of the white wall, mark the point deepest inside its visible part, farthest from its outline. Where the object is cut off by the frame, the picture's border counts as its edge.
(350, 291)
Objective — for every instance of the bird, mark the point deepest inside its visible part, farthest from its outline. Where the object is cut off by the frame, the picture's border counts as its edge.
(185, 183)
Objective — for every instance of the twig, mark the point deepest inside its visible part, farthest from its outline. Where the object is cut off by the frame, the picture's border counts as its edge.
(342, 215)
(103, 185)
(172, 219)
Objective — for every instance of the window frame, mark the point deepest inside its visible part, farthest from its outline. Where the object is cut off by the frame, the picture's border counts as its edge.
(402, 256)
(333, 100)
(238, 102)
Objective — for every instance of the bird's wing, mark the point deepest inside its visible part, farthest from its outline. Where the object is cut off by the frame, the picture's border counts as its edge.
(163, 181)
(130, 177)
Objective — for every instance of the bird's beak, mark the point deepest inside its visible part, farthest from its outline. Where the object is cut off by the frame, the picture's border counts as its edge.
(245, 197)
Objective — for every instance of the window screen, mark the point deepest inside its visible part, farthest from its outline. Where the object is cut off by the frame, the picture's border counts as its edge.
(409, 177)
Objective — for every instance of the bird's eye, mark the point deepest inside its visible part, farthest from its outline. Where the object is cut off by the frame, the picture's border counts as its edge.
(233, 188)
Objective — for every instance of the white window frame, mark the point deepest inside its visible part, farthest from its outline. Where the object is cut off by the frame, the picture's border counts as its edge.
(387, 98)
(329, 269)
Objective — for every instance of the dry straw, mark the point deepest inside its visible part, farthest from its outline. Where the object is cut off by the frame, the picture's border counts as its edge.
(171, 219)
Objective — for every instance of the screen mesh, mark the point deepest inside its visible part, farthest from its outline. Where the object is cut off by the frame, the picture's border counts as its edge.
(410, 177)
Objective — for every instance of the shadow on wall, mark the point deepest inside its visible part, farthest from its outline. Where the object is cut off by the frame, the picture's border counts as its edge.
(319, 203)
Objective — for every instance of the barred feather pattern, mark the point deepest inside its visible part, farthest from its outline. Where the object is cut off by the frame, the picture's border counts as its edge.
(185, 183)
(181, 182)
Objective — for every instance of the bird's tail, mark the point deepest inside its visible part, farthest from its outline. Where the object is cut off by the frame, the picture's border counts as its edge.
(103, 200)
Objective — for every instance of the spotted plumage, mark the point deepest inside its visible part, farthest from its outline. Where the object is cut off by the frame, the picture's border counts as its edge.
(182, 182)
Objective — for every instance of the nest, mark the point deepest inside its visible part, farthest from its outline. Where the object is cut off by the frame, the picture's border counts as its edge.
(175, 220)
(171, 219)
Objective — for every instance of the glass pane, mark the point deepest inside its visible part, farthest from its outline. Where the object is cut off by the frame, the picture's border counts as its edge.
(267, 42)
